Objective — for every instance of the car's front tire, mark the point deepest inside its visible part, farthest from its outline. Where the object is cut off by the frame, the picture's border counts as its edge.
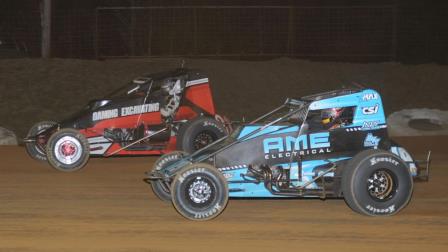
(36, 149)
(161, 188)
(376, 183)
(67, 150)
(199, 192)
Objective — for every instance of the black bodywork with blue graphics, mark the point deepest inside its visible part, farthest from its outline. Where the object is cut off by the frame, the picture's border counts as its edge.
(288, 152)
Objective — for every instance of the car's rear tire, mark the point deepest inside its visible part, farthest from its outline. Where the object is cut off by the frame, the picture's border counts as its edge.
(36, 150)
(161, 188)
(67, 150)
(376, 183)
(199, 192)
(198, 133)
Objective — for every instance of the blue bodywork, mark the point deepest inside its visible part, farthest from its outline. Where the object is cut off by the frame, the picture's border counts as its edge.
(301, 157)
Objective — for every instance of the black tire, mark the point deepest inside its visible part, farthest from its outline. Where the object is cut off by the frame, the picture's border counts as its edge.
(198, 133)
(376, 183)
(161, 188)
(68, 150)
(36, 150)
(199, 192)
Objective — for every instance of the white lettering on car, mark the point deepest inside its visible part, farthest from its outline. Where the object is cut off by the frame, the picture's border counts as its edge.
(104, 114)
(138, 109)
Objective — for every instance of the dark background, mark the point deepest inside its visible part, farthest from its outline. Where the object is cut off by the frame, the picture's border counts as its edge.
(256, 53)
(406, 31)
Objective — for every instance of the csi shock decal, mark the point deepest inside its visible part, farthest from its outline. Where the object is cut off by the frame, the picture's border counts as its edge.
(125, 111)
(281, 147)
(370, 110)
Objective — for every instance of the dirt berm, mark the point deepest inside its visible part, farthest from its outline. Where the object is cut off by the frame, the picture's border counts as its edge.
(32, 90)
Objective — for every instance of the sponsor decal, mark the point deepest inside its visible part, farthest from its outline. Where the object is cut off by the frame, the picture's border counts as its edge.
(370, 124)
(375, 160)
(209, 213)
(370, 110)
(283, 147)
(189, 172)
(125, 111)
(389, 209)
(98, 145)
(370, 96)
(104, 114)
(371, 141)
(145, 108)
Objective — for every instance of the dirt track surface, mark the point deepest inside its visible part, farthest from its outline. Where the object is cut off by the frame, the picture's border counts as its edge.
(107, 207)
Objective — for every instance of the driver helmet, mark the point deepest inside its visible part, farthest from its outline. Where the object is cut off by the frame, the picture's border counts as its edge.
(330, 115)
(167, 85)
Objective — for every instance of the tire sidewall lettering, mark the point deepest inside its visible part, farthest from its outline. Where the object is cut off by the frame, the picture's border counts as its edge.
(212, 124)
(387, 210)
(358, 179)
(186, 174)
(392, 165)
(208, 213)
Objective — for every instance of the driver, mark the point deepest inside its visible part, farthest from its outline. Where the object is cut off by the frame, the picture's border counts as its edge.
(332, 118)
(171, 90)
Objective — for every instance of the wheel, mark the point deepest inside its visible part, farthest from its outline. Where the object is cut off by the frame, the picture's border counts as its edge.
(36, 150)
(199, 192)
(160, 188)
(199, 133)
(67, 150)
(376, 183)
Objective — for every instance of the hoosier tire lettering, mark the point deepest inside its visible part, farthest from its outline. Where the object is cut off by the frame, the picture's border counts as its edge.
(375, 210)
(159, 187)
(375, 160)
(199, 192)
(209, 213)
(376, 183)
(189, 172)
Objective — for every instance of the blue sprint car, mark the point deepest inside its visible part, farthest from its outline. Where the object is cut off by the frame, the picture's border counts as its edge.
(332, 144)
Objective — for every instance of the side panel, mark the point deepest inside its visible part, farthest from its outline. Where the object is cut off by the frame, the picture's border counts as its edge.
(201, 96)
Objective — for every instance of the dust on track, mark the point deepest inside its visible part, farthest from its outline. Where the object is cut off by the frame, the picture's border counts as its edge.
(107, 207)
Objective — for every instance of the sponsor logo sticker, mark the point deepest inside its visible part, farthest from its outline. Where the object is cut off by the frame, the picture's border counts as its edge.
(370, 124)
(371, 140)
(370, 110)
(104, 114)
(284, 147)
(370, 96)
(138, 109)
(125, 111)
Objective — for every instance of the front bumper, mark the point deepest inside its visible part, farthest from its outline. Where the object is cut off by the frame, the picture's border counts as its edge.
(423, 168)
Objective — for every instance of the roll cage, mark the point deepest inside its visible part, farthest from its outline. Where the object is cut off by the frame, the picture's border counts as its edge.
(293, 110)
